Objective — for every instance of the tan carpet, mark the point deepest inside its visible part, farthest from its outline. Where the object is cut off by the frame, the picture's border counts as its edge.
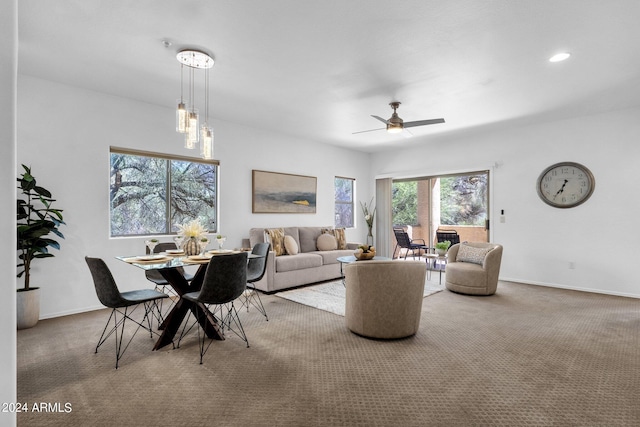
(527, 356)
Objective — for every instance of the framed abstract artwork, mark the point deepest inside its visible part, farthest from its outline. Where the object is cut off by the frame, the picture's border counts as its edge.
(275, 192)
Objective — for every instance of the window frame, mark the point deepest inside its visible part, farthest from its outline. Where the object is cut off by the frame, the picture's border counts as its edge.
(168, 157)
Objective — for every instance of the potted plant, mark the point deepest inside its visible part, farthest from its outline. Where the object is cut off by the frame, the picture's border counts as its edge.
(442, 247)
(36, 219)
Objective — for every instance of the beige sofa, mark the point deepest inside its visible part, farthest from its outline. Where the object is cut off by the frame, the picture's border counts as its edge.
(384, 298)
(308, 266)
(475, 273)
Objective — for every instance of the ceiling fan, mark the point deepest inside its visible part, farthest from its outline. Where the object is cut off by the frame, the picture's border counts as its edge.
(396, 125)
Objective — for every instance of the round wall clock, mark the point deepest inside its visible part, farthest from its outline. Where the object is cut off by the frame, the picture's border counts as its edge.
(565, 184)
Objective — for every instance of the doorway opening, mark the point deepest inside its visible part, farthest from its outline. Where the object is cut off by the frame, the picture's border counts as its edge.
(458, 202)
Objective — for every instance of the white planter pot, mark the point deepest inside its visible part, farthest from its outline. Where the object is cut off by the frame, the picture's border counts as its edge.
(28, 308)
(441, 252)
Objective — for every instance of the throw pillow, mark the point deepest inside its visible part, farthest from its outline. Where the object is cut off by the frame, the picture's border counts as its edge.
(471, 254)
(326, 242)
(290, 245)
(341, 237)
(275, 236)
(339, 234)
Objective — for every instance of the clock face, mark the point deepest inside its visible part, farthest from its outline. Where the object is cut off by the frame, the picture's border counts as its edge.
(565, 185)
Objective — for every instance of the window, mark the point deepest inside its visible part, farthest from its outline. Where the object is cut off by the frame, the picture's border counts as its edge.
(150, 193)
(344, 201)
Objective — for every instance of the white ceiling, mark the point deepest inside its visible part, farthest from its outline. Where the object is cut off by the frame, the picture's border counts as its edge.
(318, 69)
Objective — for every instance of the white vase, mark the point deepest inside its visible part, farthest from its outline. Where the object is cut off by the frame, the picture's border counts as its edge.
(441, 252)
(191, 246)
(28, 308)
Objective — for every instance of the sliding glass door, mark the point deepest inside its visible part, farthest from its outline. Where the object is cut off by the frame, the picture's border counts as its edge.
(457, 202)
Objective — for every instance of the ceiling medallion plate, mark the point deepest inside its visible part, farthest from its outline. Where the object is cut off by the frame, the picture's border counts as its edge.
(195, 59)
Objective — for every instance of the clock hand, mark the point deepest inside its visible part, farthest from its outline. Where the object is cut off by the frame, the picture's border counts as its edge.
(561, 188)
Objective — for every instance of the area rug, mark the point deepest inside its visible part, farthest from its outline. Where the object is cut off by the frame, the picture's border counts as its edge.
(330, 296)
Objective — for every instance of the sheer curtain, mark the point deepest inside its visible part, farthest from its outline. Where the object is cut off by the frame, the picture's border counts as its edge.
(383, 217)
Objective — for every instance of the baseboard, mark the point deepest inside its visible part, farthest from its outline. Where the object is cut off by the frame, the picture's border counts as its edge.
(571, 288)
(70, 312)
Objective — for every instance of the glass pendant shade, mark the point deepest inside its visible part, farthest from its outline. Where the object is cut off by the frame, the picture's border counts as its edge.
(192, 135)
(181, 117)
(206, 142)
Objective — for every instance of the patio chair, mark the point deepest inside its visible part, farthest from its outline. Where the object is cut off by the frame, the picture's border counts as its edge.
(405, 242)
(450, 235)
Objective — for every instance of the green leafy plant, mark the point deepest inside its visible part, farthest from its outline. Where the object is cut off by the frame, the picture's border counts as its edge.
(36, 219)
(443, 245)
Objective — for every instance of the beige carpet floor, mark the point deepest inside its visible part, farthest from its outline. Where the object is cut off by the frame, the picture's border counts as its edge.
(527, 356)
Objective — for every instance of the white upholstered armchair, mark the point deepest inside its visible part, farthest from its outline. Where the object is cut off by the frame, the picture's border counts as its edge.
(384, 298)
(473, 268)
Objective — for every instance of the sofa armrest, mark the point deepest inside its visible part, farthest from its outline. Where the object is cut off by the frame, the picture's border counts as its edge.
(452, 253)
(354, 246)
(271, 268)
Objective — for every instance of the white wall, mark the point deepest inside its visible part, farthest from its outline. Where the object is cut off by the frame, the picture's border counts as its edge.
(64, 134)
(8, 73)
(540, 241)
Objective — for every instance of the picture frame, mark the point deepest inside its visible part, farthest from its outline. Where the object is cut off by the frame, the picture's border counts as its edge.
(275, 192)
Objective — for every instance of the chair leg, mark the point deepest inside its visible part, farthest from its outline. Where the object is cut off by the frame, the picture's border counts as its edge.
(119, 327)
(252, 297)
(232, 316)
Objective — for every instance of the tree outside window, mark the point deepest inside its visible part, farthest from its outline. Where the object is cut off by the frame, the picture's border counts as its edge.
(150, 195)
(344, 212)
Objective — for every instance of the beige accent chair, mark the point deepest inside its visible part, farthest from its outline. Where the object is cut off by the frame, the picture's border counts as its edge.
(384, 298)
(470, 278)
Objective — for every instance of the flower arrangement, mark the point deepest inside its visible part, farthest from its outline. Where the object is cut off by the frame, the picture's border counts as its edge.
(369, 212)
(194, 234)
(193, 228)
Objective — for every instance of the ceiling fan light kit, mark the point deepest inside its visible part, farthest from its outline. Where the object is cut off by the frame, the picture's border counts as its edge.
(396, 125)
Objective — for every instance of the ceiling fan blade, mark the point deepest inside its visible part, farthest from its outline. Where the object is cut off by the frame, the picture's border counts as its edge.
(406, 133)
(381, 119)
(423, 123)
(370, 130)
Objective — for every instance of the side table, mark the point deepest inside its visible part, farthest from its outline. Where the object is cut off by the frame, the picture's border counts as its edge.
(433, 259)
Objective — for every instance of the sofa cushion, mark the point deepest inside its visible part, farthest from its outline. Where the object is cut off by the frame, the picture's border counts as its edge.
(471, 254)
(275, 236)
(308, 237)
(290, 245)
(327, 242)
(298, 262)
(331, 257)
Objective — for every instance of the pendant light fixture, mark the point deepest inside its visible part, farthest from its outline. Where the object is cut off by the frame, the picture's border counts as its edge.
(187, 117)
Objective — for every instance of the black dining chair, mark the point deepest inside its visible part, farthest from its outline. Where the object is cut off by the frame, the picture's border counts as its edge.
(256, 268)
(224, 281)
(160, 282)
(403, 241)
(122, 303)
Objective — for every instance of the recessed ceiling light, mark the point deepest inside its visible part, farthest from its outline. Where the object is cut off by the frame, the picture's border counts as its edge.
(559, 57)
